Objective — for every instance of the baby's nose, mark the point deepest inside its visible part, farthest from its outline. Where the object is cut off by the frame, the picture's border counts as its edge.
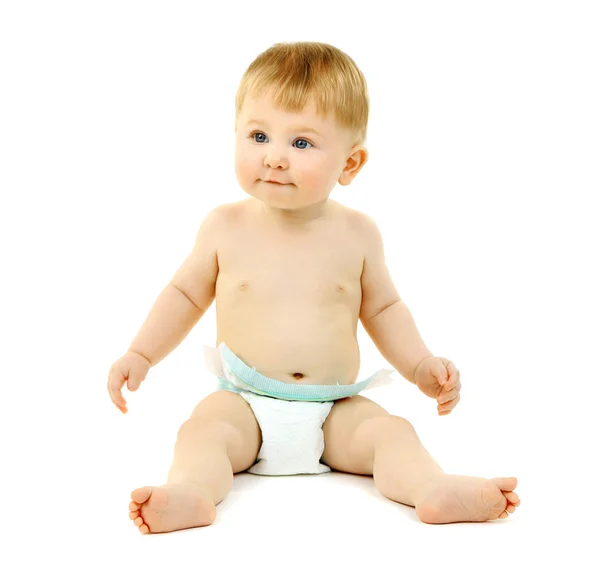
(275, 159)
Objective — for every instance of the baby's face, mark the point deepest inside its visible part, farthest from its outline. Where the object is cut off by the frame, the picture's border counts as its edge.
(273, 144)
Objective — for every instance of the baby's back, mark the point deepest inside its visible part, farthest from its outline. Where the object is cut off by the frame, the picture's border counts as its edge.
(288, 299)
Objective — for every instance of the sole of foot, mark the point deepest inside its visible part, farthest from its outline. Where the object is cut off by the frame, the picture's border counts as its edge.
(159, 509)
(465, 499)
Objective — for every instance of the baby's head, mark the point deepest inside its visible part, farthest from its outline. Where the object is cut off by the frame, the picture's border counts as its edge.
(287, 93)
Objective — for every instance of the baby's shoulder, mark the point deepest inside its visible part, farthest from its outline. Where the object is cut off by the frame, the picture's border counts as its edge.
(356, 220)
(224, 214)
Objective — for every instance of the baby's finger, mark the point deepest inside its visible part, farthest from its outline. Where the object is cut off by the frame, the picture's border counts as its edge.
(447, 407)
(447, 397)
(119, 401)
(116, 396)
(438, 373)
(454, 378)
(454, 391)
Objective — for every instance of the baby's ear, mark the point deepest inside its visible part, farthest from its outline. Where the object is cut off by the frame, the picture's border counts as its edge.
(354, 163)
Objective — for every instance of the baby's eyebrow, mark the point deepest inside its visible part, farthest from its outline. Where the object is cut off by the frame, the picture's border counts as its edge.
(292, 128)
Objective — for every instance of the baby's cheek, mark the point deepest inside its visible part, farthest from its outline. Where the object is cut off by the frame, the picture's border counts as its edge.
(244, 170)
(314, 179)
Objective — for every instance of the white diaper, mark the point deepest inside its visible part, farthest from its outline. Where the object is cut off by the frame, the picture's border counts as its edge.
(290, 416)
(292, 438)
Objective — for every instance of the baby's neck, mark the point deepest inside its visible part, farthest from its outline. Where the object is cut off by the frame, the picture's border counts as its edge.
(297, 218)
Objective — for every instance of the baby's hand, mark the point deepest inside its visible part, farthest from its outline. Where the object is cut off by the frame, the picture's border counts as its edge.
(439, 378)
(131, 368)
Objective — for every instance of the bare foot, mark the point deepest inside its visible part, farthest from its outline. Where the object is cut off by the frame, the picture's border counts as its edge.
(170, 507)
(463, 498)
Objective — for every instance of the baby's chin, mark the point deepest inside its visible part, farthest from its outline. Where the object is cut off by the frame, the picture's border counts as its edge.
(279, 196)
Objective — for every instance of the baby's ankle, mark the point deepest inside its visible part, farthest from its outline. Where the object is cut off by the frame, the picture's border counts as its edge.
(194, 486)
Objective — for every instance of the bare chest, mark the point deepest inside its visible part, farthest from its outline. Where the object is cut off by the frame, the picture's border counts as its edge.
(288, 302)
(323, 265)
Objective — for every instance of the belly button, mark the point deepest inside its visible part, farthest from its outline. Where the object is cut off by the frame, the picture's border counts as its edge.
(298, 376)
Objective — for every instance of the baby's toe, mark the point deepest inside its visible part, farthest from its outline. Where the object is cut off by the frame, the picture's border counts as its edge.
(510, 509)
(138, 521)
(133, 515)
(144, 529)
(505, 484)
(512, 497)
(133, 506)
(140, 495)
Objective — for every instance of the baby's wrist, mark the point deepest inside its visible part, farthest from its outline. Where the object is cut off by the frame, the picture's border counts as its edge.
(138, 354)
(416, 368)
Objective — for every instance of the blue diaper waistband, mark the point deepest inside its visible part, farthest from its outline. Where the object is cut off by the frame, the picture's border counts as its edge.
(233, 374)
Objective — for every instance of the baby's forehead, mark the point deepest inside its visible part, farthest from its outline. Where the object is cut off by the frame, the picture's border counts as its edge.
(264, 110)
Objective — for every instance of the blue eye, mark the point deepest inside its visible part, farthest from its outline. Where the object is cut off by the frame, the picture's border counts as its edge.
(255, 133)
(304, 141)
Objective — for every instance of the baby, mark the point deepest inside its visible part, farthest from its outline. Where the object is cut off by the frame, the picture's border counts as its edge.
(292, 272)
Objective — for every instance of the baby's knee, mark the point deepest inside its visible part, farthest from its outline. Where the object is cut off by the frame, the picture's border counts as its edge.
(198, 428)
(393, 426)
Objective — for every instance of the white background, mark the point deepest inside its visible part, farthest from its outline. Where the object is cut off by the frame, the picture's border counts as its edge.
(116, 139)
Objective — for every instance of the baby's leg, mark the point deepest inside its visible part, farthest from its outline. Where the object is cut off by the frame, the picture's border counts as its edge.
(405, 472)
(363, 438)
(220, 439)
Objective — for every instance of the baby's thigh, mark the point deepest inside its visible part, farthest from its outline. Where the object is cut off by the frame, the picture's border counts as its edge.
(231, 417)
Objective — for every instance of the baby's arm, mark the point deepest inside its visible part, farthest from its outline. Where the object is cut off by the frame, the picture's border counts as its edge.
(187, 296)
(385, 317)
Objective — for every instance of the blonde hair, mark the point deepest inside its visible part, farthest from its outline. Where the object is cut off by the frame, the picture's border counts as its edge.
(295, 73)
